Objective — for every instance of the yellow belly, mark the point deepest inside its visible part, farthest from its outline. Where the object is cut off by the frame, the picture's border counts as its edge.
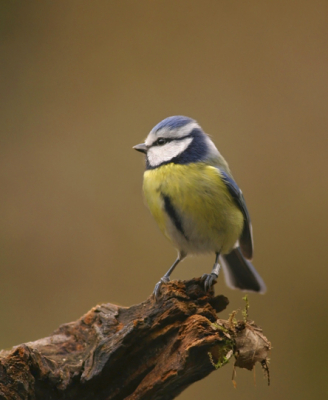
(210, 219)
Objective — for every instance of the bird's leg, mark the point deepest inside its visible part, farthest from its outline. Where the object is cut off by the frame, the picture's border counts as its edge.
(166, 277)
(210, 279)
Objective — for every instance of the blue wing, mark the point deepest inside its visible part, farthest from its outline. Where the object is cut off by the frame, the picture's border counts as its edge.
(246, 238)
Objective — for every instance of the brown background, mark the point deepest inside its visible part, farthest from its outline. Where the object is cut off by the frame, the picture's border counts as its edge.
(82, 82)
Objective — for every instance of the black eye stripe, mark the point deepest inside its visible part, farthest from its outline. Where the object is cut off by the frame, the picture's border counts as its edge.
(162, 141)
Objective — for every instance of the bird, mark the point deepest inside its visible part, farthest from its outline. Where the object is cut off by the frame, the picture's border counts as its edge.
(197, 204)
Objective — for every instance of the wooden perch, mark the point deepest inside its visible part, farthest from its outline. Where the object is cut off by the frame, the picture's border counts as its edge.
(153, 350)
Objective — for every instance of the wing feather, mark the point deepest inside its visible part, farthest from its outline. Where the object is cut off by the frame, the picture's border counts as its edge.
(246, 238)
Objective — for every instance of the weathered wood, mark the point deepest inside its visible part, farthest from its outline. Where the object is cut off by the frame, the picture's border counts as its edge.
(153, 350)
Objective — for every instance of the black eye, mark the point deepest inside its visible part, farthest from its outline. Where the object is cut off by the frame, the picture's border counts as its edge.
(161, 141)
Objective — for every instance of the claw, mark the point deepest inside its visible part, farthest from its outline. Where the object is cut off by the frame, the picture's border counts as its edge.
(157, 289)
(209, 280)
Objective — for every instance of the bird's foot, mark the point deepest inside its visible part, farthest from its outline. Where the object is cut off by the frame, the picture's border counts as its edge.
(157, 290)
(209, 280)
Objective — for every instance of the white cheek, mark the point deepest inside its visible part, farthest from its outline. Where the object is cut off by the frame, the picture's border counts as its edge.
(158, 154)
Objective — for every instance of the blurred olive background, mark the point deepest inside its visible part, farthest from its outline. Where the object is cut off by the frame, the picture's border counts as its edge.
(84, 81)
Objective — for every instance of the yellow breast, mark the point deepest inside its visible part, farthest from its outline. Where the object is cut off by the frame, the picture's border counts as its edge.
(210, 219)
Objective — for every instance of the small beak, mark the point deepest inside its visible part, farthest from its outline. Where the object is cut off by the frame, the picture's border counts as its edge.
(141, 147)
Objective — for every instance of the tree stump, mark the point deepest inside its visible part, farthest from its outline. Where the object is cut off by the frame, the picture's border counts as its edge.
(153, 350)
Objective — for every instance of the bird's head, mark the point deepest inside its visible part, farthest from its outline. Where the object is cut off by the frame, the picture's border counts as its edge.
(178, 140)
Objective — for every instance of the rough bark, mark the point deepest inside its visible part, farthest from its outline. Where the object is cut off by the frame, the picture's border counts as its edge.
(153, 350)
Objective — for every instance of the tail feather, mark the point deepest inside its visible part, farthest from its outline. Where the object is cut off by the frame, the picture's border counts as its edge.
(240, 274)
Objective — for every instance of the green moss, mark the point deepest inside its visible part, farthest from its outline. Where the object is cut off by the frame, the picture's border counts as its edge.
(219, 327)
(225, 353)
(246, 309)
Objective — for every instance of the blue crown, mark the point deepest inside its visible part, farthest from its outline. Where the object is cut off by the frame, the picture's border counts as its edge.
(170, 123)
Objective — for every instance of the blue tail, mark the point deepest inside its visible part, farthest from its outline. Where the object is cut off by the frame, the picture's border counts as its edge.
(240, 274)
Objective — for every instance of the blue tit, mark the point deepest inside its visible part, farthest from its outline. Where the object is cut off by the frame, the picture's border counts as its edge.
(197, 204)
